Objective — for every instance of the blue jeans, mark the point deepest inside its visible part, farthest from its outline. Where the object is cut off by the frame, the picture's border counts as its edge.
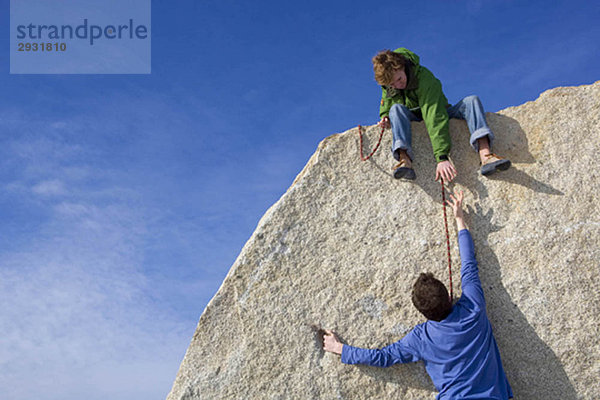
(470, 109)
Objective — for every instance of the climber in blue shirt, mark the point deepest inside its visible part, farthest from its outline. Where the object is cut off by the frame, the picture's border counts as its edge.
(456, 343)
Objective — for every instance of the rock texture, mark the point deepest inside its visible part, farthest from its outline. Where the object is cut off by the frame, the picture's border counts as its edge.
(344, 244)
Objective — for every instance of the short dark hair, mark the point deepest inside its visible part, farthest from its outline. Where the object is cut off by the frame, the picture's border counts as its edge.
(430, 297)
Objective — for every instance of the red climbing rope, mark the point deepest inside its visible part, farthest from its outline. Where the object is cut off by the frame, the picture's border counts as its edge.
(361, 142)
(447, 237)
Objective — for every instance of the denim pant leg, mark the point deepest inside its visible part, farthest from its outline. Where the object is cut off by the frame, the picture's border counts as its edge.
(471, 110)
(400, 118)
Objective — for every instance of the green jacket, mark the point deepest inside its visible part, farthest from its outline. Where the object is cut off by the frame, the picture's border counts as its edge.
(424, 97)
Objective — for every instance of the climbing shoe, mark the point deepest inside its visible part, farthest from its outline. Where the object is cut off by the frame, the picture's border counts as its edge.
(493, 163)
(402, 171)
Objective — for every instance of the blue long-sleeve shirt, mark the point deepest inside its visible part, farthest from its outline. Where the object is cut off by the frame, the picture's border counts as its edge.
(459, 352)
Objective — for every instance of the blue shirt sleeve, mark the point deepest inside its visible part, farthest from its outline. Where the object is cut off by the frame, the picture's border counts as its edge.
(471, 285)
(403, 351)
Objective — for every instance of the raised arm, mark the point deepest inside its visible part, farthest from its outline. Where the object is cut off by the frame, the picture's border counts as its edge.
(469, 272)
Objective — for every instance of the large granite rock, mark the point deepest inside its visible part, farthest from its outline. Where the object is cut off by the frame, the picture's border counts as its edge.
(344, 244)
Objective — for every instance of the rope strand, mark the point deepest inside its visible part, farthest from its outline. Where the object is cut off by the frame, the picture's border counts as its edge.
(361, 143)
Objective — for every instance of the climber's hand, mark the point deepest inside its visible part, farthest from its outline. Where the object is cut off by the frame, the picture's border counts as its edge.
(446, 171)
(385, 122)
(455, 202)
(331, 342)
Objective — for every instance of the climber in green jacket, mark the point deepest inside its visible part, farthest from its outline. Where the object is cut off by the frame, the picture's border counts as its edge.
(410, 92)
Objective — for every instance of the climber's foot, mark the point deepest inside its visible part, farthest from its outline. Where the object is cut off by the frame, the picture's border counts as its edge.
(403, 170)
(493, 163)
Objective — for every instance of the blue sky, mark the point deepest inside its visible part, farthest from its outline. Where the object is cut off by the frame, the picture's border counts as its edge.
(125, 199)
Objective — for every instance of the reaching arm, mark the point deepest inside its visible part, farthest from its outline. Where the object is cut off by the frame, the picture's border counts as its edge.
(469, 272)
(402, 351)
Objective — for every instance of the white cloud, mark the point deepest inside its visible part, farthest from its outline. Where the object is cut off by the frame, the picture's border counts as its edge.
(78, 318)
(49, 188)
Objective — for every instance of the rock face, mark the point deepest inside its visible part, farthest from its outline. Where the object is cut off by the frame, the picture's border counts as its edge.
(342, 247)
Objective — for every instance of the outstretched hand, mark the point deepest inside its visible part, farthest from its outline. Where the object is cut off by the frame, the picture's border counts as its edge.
(456, 201)
(331, 342)
(445, 170)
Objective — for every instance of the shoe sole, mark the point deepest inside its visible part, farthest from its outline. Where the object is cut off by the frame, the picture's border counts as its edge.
(500, 165)
(406, 173)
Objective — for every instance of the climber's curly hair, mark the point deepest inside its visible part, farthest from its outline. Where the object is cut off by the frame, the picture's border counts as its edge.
(430, 297)
(385, 63)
